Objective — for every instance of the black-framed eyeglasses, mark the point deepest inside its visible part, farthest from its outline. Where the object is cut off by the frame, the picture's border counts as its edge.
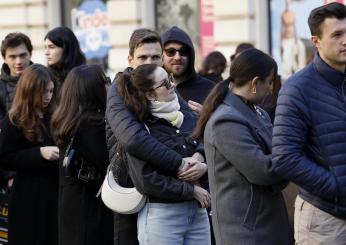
(166, 83)
(170, 52)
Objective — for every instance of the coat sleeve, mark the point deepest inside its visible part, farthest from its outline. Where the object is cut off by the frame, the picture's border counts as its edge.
(151, 183)
(200, 149)
(135, 139)
(289, 140)
(2, 115)
(236, 143)
(15, 153)
(91, 144)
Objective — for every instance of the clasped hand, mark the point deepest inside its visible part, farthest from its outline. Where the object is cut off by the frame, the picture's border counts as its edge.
(50, 153)
(192, 170)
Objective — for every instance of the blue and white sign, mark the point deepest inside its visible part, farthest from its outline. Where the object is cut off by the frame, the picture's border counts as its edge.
(90, 23)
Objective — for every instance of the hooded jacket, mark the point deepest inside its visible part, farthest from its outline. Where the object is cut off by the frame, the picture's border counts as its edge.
(194, 87)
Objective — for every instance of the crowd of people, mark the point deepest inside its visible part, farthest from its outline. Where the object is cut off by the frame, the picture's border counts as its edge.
(211, 155)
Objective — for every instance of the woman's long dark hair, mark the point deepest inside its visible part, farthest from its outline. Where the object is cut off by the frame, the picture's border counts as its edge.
(27, 102)
(72, 56)
(249, 64)
(214, 61)
(83, 93)
(132, 87)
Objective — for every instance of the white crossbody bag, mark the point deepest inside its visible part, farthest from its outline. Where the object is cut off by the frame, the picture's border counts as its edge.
(121, 199)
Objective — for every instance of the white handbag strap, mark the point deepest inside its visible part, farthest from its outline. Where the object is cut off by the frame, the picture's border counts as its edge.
(109, 166)
(99, 191)
(146, 127)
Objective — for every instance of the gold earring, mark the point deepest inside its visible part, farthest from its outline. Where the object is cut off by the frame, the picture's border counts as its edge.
(254, 90)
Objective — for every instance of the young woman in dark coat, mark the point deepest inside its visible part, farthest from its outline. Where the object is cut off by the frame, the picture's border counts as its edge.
(26, 147)
(63, 52)
(83, 218)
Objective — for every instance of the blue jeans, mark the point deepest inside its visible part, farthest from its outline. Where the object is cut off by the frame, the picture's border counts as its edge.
(182, 223)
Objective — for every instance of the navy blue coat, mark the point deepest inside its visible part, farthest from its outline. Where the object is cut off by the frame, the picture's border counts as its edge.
(309, 137)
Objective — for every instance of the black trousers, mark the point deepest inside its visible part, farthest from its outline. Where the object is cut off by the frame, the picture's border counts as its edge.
(125, 229)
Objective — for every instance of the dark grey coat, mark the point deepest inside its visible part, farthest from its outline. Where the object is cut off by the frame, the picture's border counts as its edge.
(248, 207)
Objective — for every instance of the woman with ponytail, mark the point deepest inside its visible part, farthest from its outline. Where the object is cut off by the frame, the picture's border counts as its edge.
(175, 212)
(247, 204)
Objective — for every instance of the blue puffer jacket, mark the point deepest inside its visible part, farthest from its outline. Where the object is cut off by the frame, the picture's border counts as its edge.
(309, 137)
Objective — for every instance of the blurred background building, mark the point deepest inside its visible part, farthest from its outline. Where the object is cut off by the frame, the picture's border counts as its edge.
(213, 24)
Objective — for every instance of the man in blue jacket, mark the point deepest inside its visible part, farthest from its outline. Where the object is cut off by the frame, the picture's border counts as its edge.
(309, 138)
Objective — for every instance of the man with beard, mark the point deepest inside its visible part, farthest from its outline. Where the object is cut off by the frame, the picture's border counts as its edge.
(179, 61)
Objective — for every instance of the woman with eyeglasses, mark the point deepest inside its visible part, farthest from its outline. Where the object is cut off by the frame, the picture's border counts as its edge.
(175, 212)
(247, 203)
(79, 122)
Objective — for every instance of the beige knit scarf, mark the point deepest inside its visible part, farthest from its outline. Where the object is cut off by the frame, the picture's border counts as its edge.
(169, 111)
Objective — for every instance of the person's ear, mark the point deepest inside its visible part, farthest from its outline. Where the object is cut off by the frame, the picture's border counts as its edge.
(254, 83)
(315, 41)
(150, 96)
(130, 60)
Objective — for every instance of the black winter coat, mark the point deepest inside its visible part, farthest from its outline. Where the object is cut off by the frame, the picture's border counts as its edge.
(196, 88)
(83, 218)
(33, 205)
(7, 91)
(159, 185)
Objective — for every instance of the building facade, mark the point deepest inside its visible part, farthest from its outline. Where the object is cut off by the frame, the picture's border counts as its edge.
(232, 22)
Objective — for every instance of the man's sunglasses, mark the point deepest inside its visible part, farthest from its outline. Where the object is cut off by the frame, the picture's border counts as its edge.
(170, 52)
(167, 83)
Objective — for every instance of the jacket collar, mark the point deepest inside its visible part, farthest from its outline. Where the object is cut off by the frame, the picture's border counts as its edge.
(5, 75)
(327, 72)
(259, 121)
(127, 71)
